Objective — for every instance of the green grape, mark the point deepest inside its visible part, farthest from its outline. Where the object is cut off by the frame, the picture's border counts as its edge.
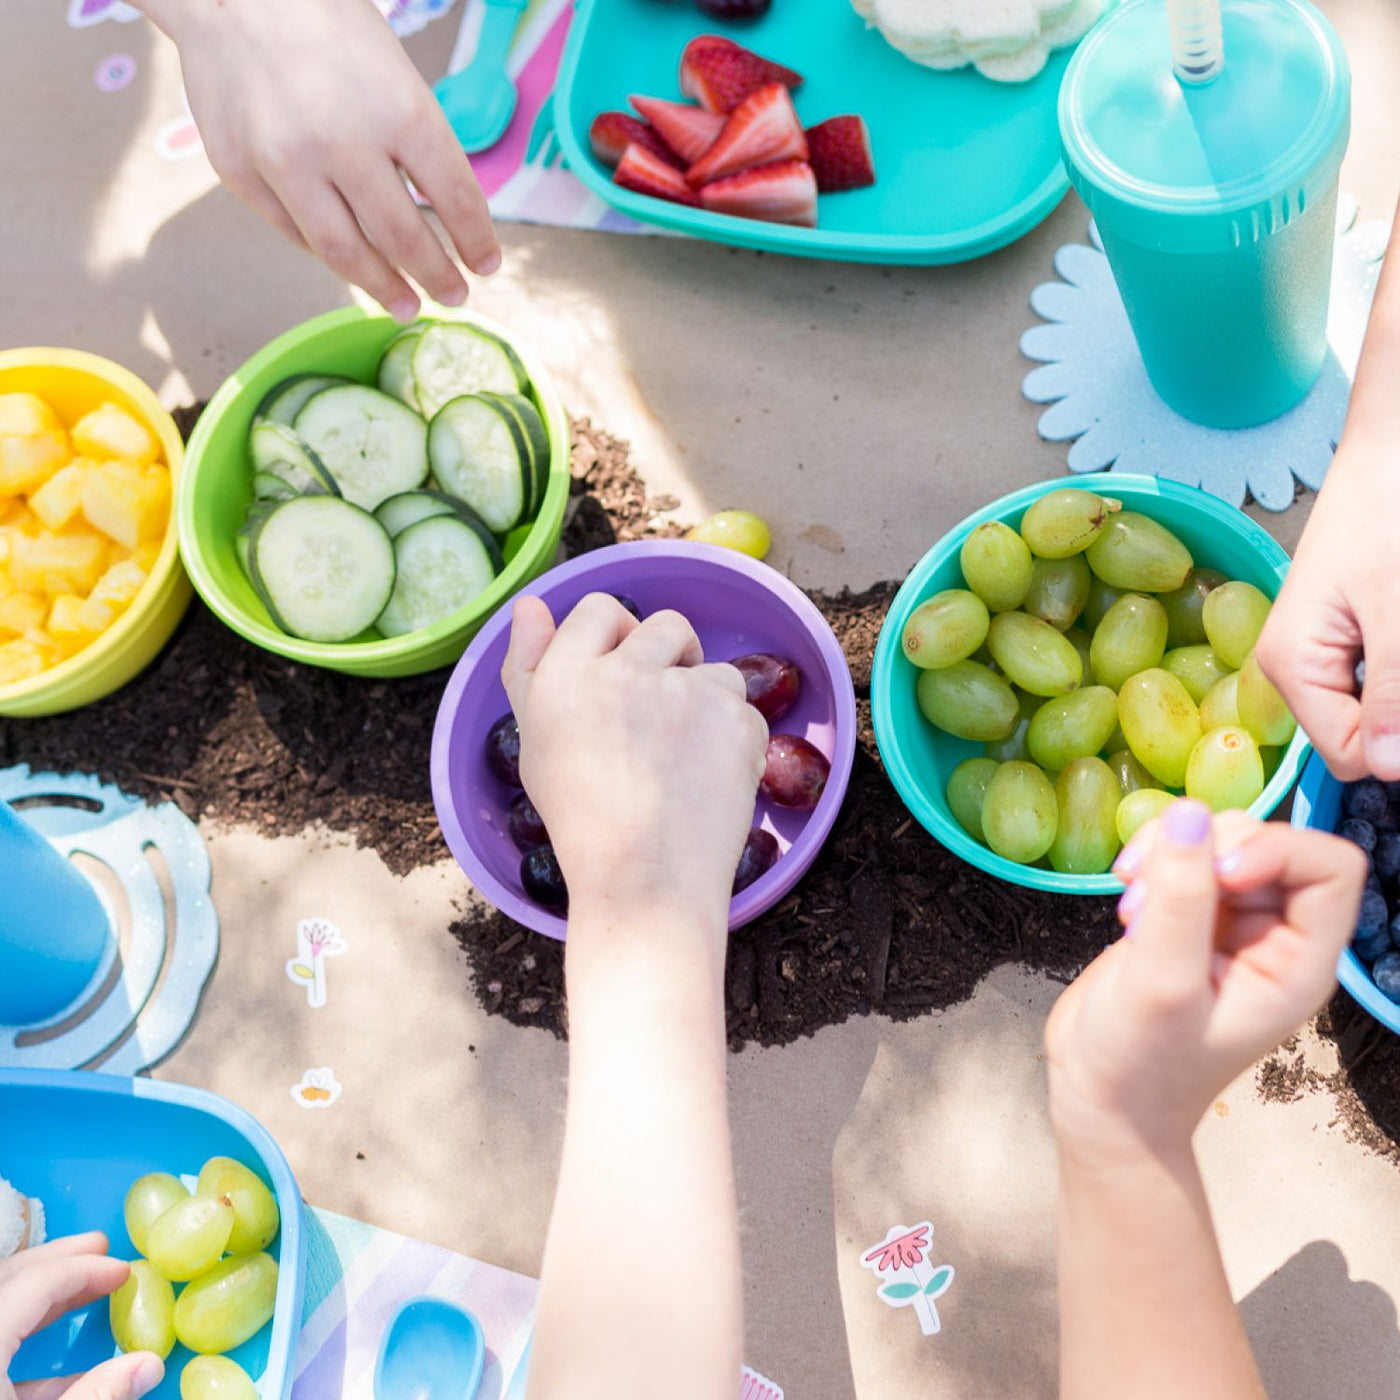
(1081, 641)
(1271, 758)
(967, 788)
(1161, 724)
(1013, 746)
(1262, 709)
(1183, 605)
(255, 1216)
(1033, 655)
(226, 1306)
(1059, 589)
(1225, 770)
(142, 1312)
(1131, 638)
(215, 1378)
(1138, 808)
(1131, 775)
(946, 628)
(149, 1198)
(1138, 555)
(968, 701)
(1198, 668)
(1066, 522)
(1116, 741)
(190, 1237)
(1101, 598)
(1086, 834)
(1072, 726)
(734, 529)
(1220, 708)
(997, 565)
(1234, 615)
(1019, 813)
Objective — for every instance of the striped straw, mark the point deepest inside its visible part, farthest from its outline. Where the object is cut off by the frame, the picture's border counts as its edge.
(1198, 47)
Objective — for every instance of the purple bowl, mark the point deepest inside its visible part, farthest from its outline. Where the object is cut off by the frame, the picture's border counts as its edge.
(736, 606)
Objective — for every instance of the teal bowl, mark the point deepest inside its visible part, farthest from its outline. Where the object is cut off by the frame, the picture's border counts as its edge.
(919, 758)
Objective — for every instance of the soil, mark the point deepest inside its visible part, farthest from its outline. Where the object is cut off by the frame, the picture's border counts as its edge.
(886, 920)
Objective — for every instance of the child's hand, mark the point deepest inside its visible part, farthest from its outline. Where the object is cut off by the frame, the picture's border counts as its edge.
(312, 112)
(1234, 929)
(37, 1286)
(643, 761)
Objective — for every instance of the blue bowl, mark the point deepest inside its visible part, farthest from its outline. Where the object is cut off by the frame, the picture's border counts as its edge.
(77, 1142)
(1318, 803)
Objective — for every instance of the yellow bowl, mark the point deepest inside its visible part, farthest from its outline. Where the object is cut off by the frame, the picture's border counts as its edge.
(73, 382)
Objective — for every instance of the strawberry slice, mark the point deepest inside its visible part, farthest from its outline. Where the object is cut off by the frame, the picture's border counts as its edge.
(612, 133)
(782, 193)
(647, 173)
(839, 152)
(688, 130)
(719, 74)
(763, 128)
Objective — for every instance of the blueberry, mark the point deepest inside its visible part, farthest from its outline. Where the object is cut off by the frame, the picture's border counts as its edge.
(1387, 975)
(1372, 936)
(1359, 831)
(1387, 855)
(1395, 931)
(1366, 799)
(630, 604)
(1360, 675)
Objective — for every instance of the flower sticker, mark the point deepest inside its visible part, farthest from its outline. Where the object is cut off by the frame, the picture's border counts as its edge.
(317, 940)
(319, 1088)
(752, 1386)
(114, 72)
(906, 1247)
(82, 13)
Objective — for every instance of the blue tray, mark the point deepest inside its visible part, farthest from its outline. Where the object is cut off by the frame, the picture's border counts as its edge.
(77, 1141)
(964, 165)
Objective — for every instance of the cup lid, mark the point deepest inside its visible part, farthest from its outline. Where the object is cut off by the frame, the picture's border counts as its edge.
(1276, 118)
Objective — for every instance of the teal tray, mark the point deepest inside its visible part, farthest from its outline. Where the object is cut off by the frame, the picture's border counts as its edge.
(964, 165)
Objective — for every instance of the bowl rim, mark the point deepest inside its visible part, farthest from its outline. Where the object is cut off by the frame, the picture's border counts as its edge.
(781, 878)
(948, 833)
(387, 649)
(166, 575)
(1351, 971)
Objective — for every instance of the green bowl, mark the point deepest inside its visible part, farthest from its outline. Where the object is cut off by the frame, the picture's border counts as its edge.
(919, 757)
(215, 487)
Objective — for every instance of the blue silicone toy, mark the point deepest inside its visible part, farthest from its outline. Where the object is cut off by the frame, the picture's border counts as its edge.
(432, 1350)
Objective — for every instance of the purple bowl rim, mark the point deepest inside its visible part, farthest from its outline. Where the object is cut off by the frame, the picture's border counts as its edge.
(765, 892)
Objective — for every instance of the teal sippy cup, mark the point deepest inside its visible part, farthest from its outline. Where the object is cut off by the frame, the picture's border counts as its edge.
(1205, 136)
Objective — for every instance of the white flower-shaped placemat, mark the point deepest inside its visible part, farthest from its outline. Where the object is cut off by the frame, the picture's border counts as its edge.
(1103, 404)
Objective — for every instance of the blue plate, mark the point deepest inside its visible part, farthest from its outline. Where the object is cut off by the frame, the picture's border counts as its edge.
(1318, 803)
(963, 165)
(77, 1142)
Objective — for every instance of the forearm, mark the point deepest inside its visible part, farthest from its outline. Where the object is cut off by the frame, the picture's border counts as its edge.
(1373, 419)
(1144, 1304)
(641, 1275)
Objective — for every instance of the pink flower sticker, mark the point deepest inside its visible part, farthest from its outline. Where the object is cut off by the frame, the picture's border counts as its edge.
(114, 72)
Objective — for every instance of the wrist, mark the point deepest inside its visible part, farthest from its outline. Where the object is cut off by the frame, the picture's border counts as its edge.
(663, 942)
(1093, 1138)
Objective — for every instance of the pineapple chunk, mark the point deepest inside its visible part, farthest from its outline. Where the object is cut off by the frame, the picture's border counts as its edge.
(20, 660)
(55, 564)
(114, 592)
(128, 503)
(24, 415)
(66, 626)
(60, 498)
(26, 463)
(19, 612)
(146, 554)
(112, 432)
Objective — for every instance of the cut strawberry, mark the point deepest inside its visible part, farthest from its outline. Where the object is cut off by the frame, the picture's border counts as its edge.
(839, 151)
(782, 193)
(647, 173)
(719, 74)
(612, 133)
(762, 129)
(688, 130)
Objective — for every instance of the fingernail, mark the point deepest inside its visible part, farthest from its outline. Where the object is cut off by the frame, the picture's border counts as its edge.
(404, 309)
(1383, 755)
(1186, 822)
(1229, 863)
(489, 264)
(456, 297)
(148, 1375)
(1128, 932)
(1129, 859)
(1132, 901)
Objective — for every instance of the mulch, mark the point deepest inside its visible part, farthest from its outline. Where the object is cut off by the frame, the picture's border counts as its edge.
(885, 921)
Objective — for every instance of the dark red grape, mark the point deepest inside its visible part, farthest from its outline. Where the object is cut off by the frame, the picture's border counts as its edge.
(503, 750)
(796, 772)
(525, 824)
(630, 604)
(772, 682)
(543, 879)
(734, 9)
(759, 856)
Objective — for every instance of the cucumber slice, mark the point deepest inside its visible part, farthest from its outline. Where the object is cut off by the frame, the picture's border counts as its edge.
(451, 359)
(323, 568)
(442, 565)
(373, 445)
(480, 455)
(277, 451)
(267, 487)
(409, 507)
(396, 368)
(285, 400)
(532, 425)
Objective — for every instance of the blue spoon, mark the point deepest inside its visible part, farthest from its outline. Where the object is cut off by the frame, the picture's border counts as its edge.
(432, 1350)
(480, 100)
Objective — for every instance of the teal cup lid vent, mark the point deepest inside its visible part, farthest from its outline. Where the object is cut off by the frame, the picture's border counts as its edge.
(1208, 159)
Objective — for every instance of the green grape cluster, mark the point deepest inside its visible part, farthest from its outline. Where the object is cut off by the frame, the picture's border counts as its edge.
(1102, 671)
(212, 1241)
